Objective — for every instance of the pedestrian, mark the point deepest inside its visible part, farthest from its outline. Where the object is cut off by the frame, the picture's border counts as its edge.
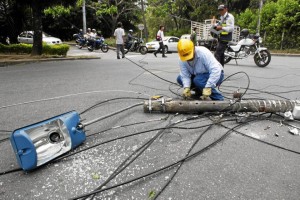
(199, 71)
(160, 38)
(120, 34)
(194, 36)
(226, 27)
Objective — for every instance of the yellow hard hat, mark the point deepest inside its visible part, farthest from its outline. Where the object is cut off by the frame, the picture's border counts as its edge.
(185, 49)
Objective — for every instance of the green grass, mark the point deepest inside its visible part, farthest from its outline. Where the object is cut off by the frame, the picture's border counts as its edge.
(286, 51)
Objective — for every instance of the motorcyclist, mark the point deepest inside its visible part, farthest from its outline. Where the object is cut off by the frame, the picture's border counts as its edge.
(93, 36)
(88, 33)
(130, 39)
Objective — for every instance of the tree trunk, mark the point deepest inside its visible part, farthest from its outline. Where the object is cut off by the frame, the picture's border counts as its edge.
(37, 14)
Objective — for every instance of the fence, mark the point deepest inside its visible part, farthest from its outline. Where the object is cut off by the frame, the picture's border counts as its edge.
(203, 30)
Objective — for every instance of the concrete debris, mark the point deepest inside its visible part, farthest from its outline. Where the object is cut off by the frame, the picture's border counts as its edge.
(294, 131)
(288, 116)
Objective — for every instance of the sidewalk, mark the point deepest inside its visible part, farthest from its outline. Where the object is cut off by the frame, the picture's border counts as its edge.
(73, 54)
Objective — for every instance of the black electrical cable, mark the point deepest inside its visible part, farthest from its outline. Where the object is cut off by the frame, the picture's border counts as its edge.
(3, 140)
(150, 72)
(174, 174)
(108, 100)
(161, 169)
(246, 89)
(110, 115)
(181, 163)
(126, 125)
(138, 151)
(10, 171)
(102, 143)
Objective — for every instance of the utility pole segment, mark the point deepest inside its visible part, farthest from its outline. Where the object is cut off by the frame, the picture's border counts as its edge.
(197, 106)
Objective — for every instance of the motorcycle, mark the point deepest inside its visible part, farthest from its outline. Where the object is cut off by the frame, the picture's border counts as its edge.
(96, 44)
(136, 46)
(248, 45)
(80, 40)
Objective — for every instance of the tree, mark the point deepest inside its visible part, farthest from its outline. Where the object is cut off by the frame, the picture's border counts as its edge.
(37, 7)
(111, 12)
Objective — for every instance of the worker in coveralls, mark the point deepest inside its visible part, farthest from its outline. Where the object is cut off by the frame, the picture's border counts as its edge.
(226, 27)
(199, 71)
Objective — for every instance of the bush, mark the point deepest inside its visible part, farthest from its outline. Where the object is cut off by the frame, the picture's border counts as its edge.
(16, 48)
(60, 49)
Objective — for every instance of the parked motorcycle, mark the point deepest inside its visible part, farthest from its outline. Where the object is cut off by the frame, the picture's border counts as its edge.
(96, 44)
(136, 46)
(248, 45)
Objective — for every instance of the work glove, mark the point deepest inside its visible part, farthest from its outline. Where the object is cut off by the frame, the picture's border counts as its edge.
(187, 92)
(206, 92)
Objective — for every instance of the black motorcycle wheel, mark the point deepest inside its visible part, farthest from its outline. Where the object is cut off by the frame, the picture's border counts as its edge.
(262, 58)
(104, 48)
(90, 48)
(143, 50)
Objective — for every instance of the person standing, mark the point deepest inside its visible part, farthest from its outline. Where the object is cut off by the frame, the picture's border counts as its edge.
(199, 71)
(226, 27)
(194, 36)
(120, 34)
(160, 38)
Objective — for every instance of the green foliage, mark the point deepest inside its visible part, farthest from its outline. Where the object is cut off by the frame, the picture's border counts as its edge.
(247, 19)
(57, 11)
(60, 49)
(106, 9)
(279, 23)
(16, 48)
(179, 32)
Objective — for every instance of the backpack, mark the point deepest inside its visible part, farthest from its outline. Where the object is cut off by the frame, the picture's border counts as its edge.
(157, 38)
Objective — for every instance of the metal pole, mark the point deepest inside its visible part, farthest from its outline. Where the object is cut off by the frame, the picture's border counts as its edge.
(183, 106)
(259, 16)
(83, 16)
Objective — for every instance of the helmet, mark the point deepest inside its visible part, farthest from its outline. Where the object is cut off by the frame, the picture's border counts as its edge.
(185, 49)
(245, 32)
(94, 30)
(131, 30)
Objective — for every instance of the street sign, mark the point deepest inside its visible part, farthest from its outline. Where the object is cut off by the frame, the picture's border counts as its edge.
(141, 27)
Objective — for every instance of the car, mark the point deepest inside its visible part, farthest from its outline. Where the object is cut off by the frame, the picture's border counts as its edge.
(170, 43)
(27, 37)
(186, 36)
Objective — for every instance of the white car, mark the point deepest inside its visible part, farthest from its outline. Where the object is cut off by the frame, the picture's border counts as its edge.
(170, 43)
(27, 37)
(186, 36)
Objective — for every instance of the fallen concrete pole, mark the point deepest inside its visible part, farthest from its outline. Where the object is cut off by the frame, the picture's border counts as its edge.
(197, 106)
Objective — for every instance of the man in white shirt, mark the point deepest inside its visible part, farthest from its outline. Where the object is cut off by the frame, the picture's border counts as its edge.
(120, 34)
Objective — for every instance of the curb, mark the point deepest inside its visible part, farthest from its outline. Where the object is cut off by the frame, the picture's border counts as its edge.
(15, 62)
(287, 55)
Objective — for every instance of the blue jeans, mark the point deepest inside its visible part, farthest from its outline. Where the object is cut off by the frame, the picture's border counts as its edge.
(199, 81)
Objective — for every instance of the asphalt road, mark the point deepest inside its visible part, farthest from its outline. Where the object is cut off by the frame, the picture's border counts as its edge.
(236, 167)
